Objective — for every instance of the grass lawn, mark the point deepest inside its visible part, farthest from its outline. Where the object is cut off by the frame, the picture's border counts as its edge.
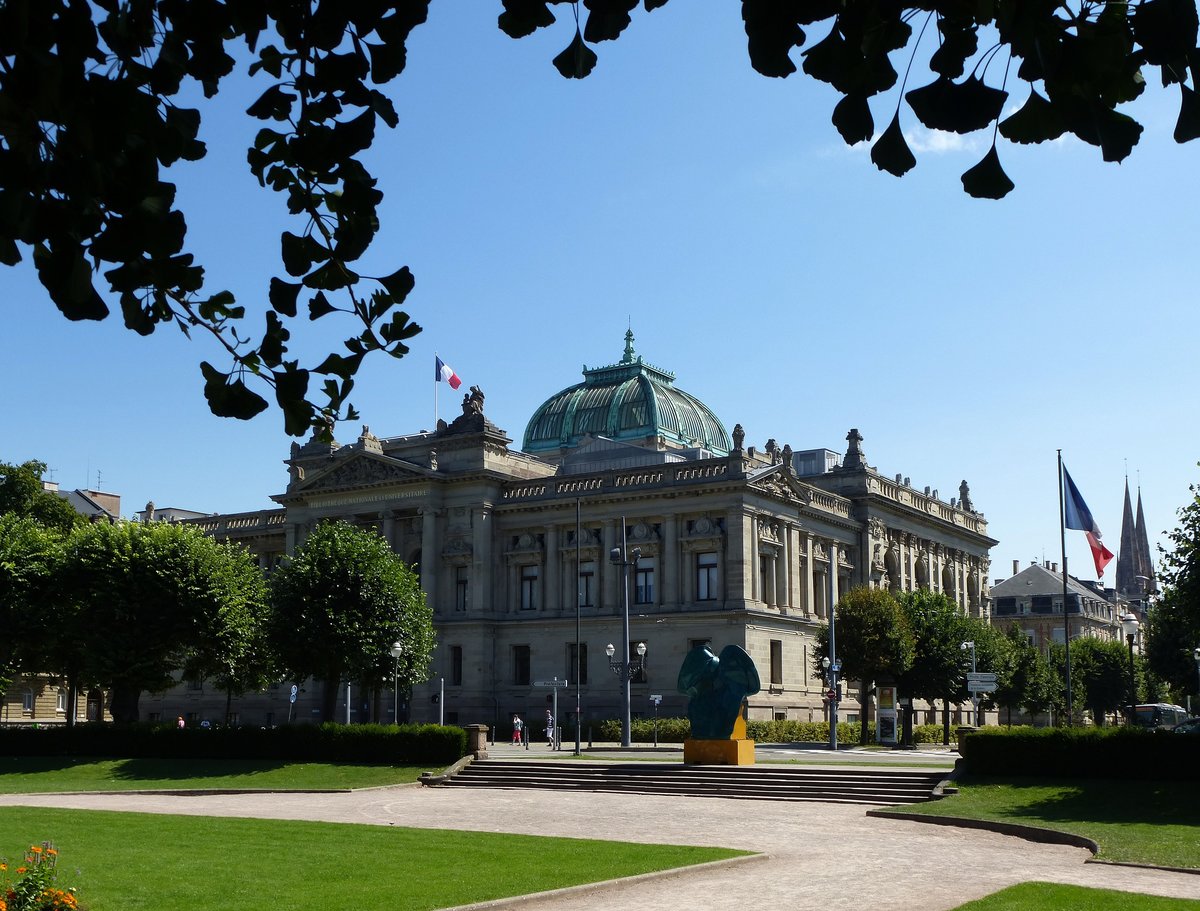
(135, 861)
(22, 775)
(1053, 897)
(1144, 822)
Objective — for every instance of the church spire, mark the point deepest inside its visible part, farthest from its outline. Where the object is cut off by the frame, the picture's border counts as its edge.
(1127, 571)
(1142, 561)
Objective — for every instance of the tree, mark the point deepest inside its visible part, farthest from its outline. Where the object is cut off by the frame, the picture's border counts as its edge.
(93, 112)
(340, 603)
(1101, 666)
(22, 494)
(1023, 678)
(29, 556)
(142, 599)
(1173, 631)
(873, 641)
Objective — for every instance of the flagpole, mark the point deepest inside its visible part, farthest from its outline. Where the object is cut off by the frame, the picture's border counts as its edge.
(1062, 530)
(436, 379)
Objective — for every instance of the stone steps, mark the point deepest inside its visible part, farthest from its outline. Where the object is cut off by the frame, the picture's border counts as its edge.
(760, 782)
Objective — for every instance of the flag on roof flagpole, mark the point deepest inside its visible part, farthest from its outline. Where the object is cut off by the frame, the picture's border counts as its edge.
(442, 372)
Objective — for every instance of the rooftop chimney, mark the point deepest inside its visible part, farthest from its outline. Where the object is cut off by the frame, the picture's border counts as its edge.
(1016, 566)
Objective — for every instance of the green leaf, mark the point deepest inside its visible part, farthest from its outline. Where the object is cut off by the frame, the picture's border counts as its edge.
(957, 107)
(67, 278)
(1166, 30)
(607, 18)
(398, 329)
(1187, 127)
(272, 347)
(345, 367)
(524, 17)
(852, 117)
(273, 104)
(772, 30)
(987, 179)
(291, 387)
(891, 152)
(297, 253)
(283, 296)
(577, 60)
(318, 306)
(1036, 121)
(228, 397)
(331, 276)
(399, 284)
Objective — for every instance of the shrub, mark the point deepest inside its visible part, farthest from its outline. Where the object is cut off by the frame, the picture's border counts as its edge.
(1081, 753)
(35, 887)
(368, 743)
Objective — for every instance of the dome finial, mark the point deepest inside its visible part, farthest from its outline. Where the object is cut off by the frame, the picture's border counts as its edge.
(629, 357)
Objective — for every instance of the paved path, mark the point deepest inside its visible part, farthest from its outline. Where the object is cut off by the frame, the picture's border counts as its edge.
(821, 856)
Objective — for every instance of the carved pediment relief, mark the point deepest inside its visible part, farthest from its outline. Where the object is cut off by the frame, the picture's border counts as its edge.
(525, 543)
(363, 471)
(458, 550)
(783, 486)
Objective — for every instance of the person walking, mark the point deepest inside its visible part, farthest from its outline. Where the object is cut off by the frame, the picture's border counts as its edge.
(549, 728)
(517, 727)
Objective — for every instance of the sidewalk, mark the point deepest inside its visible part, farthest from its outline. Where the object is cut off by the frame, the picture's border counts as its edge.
(824, 857)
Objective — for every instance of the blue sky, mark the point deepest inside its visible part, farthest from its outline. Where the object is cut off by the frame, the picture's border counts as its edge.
(784, 280)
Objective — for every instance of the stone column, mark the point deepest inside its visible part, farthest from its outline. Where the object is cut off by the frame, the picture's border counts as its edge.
(807, 575)
(739, 557)
(672, 559)
(389, 527)
(430, 554)
(552, 597)
(610, 575)
(482, 580)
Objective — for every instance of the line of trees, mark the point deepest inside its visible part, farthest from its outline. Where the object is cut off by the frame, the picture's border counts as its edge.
(134, 607)
(914, 640)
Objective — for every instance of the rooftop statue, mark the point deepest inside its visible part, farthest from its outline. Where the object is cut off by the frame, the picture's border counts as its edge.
(716, 688)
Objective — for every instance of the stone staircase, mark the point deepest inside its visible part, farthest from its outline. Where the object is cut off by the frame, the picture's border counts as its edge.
(759, 782)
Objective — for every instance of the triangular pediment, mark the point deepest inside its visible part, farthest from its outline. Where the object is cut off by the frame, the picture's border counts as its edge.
(777, 483)
(363, 470)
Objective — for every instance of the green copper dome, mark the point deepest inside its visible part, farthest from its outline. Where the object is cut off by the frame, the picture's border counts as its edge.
(631, 402)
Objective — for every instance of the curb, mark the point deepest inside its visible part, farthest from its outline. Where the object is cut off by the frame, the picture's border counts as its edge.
(1029, 833)
(584, 888)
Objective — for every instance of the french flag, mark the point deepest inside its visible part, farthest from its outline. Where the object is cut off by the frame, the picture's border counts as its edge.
(1079, 517)
(444, 372)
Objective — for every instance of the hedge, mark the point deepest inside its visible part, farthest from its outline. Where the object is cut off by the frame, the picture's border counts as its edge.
(1081, 753)
(408, 744)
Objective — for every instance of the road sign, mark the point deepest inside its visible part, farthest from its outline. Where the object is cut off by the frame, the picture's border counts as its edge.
(656, 698)
(556, 683)
(295, 690)
(831, 695)
(981, 683)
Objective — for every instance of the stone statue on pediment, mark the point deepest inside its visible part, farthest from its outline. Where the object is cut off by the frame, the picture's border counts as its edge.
(473, 401)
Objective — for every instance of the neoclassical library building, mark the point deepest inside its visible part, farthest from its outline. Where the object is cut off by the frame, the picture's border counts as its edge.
(724, 544)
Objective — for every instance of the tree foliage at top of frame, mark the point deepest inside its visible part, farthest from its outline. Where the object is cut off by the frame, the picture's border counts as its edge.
(91, 121)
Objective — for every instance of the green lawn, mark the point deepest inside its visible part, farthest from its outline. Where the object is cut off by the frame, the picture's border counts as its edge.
(21, 775)
(136, 861)
(1053, 897)
(1132, 821)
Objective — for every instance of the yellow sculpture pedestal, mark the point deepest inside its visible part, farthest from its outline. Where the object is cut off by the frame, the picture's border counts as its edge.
(718, 752)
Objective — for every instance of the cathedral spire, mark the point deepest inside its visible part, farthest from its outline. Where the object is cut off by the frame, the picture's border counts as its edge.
(1127, 571)
(1142, 562)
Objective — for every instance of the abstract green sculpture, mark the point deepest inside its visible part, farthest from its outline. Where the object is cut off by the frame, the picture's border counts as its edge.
(716, 688)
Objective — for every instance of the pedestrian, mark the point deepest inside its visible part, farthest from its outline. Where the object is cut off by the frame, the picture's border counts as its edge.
(517, 725)
(179, 722)
(549, 728)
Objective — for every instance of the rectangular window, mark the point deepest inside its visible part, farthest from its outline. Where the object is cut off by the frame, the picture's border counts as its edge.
(777, 661)
(1042, 604)
(643, 588)
(521, 665)
(587, 584)
(529, 583)
(60, 704)
(698, 643)
(456, 677)
(27, 702)
(706, 577)
(635, 660)
(1005, 607)
(461, 588)
(582, 670)
(764, 577)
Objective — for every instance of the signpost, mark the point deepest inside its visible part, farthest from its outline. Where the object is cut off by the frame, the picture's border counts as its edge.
(656, 698)
(555, 684)
(981, 683)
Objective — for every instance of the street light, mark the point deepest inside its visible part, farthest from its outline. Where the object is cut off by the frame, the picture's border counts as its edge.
(396, 651)
(831, 669)
(970, 644)
(1129, 626)
(624, 558)
(1196, 655)
(626, 669)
